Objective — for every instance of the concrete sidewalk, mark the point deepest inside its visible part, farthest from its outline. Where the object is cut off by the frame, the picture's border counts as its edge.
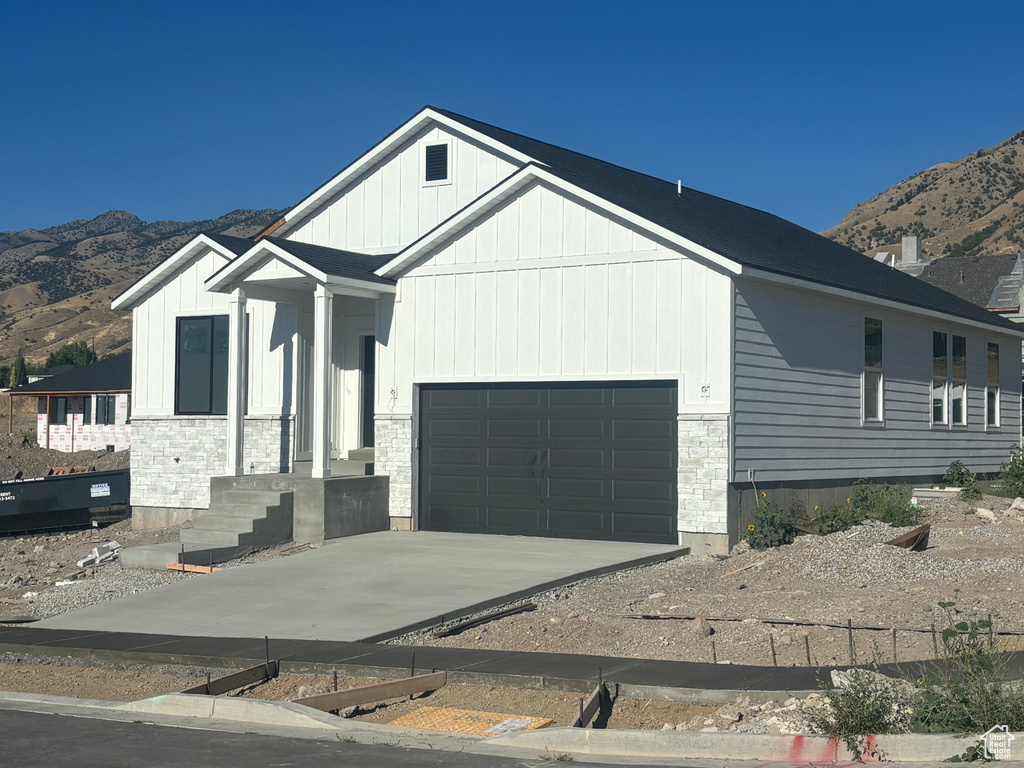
(367, 587)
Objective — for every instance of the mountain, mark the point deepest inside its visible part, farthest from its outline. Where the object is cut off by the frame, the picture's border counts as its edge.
(969, 206)
(56, 284)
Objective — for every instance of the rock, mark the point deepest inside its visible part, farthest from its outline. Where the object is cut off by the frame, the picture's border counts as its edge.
(709, 729)
(702, 627)
(1018, 503)
(792, 701)
(842, 680)
(680, 726)
(744, 546)
(656, 596)
(730, 715)
(768, 706)
(708, 721)
(985, 514)
(555, 620)
(741, 586)
(786, 639)
(668, 727)
(572, 615)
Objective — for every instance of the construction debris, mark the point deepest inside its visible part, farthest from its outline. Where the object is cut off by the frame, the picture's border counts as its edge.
(915, 540)
(102, 554)
(492, 616)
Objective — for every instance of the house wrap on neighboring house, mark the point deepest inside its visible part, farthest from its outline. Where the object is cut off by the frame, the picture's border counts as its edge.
(83, 408)
(538, 342)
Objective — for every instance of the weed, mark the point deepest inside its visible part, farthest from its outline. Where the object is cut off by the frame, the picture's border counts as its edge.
(835, 518)
(1011, 474)
(959, 476)
(557, 757)
(772, 526)
(888, 503)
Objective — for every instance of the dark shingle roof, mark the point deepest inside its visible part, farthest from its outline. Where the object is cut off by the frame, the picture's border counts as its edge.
(237, 245)
(112, 374)
(358, 266)
(972, 279)
(745, 235)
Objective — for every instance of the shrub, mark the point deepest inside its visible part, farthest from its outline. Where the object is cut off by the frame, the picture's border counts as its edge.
(1011, 474)
(837, 517)
(887, 503)
(772, 526)
(869, 704)
(959, 476)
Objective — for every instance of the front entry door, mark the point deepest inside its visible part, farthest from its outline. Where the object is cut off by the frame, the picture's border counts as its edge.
(367, 368)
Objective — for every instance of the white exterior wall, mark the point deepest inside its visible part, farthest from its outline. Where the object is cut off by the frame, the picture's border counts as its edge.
(799, 363)
(547, 289)
(76, 435)
(389, 206)
(353, 319)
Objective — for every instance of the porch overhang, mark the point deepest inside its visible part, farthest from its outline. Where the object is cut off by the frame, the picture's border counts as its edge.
(299, 268)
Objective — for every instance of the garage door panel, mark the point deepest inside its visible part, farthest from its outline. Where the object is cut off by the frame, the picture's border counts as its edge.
(442, 399)
(644, 397)
(514, 520)
(593, 461)
(562, 428)
(514, 398)
(643, 460)
(577, 458)
(455, 427)
(527, 487)
(522, 427)
(643, 490)
(576, 398)
(451, 456)
(595, 489)
(643, 429)
(454, 484)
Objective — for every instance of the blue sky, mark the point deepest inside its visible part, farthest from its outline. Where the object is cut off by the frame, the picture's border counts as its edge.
(189, 110)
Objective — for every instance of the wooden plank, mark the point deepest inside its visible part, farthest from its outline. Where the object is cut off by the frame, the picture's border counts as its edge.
(187, 567)
(915, 540)
(249, 676)
(590, 708)
(367, 694)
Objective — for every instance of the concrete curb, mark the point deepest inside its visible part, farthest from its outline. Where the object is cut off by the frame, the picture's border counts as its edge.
(912, 747)
(283, 713)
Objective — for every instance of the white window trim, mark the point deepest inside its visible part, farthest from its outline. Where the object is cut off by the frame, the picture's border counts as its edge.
(424, 143)
(864, 420)
(990, 386)
(954, 382)
(944, 424)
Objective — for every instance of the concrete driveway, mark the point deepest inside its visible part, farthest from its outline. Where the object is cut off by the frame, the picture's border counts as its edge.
(367, 587)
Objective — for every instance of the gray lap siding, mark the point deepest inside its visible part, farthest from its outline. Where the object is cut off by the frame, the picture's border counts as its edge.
(798, 363)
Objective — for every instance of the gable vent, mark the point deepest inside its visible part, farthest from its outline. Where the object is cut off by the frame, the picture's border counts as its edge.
(436, 162)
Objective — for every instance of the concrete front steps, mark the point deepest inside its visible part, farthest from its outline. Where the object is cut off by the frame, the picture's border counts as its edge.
(238, 521)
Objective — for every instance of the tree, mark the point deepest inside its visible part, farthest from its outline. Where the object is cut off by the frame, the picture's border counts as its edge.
(19, 373)
(75, 353)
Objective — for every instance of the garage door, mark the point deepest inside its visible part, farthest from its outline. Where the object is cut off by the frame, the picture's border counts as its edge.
(585, 461)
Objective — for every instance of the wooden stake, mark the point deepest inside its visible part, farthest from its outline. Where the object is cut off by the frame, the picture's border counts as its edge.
(991, 634)
(849, 633)
(714, 653)
(335, 681)
(807, 648)
(935, 641)
(894, 659)
(771, 642)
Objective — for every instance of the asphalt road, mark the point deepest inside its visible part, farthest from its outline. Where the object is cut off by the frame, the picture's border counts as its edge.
(31, 740)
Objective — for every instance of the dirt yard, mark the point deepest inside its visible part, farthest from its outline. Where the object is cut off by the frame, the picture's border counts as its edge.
(852, 576)
(21, 457)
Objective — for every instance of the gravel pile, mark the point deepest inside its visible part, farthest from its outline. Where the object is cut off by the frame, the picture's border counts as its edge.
(109, 583)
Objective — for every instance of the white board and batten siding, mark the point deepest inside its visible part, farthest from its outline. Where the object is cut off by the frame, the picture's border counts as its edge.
(547, 289)
(799, 359)
(390, 206)
(272, 329)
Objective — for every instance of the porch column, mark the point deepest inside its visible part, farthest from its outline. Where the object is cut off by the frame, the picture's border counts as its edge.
(323, 314)
(236, 384)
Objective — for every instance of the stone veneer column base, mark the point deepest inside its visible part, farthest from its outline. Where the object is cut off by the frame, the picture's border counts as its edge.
(401, 523)
(704, 482)
(393, 456)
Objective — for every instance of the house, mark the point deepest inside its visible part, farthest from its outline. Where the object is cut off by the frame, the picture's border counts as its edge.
(532, 341)
(83, 408)
(46, 373)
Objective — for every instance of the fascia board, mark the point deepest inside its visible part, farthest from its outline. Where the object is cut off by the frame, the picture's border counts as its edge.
(389, 144)
(167, 269)
(335, 282)
(519, 180)
(221, 281)
(864, 298)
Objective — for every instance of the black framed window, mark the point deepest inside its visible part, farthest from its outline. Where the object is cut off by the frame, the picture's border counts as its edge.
(106, 409)
(201, 366)
(873, 390)
(87, 410)
(58, 410)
